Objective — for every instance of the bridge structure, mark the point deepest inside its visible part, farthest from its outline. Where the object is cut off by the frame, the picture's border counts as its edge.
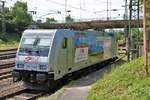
(96, 24)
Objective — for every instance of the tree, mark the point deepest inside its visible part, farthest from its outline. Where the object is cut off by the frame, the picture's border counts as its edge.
(120, 35)
(21, 19)
(69, 18)
(7, 17)
(137, 34)
(50, 20)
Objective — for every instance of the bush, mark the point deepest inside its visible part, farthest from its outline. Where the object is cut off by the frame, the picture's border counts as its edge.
(126, 82)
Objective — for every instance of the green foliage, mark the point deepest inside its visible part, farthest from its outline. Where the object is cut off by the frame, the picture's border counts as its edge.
(126, 82)
(69, 19)
(120, 35)
(50, 20)
(21, 19)
(12, 40)
(3, 37)
(17, 18)
(137, 34)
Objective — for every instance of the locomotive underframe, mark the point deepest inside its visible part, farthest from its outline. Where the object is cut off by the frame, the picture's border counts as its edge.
(35, 80)
(45, 81)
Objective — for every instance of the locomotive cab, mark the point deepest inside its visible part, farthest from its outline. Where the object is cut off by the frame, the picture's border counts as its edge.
(37, 55)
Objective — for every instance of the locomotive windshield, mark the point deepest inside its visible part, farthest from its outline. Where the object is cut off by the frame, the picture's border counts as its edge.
(28, 41)
(44, 42)
(35, 46)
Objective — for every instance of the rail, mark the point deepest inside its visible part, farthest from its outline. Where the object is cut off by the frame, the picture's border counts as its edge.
(6, 50)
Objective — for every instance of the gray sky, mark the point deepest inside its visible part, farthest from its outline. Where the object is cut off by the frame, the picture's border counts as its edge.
(85, 11)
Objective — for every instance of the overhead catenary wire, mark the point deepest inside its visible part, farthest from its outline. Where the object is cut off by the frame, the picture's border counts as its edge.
(63, 4)
(83, 7)
(86, 10)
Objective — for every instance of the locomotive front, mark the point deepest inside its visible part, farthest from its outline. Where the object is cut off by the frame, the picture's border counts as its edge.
(32, 60)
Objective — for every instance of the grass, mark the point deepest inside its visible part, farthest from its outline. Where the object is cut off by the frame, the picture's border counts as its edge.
(126, 82)
(13, 41)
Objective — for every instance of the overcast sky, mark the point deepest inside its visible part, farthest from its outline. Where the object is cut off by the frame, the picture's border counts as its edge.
(80, 9)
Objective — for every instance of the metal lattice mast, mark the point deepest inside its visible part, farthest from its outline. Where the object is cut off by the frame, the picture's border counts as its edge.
(133, 15)
(126, 30)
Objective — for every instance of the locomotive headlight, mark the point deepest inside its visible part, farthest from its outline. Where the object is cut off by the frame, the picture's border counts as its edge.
(42, 67)
(20, 65)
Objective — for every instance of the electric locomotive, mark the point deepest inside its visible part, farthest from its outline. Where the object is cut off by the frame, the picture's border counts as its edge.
(47, 55)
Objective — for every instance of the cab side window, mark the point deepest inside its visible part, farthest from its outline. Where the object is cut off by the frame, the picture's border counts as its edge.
(64, 43)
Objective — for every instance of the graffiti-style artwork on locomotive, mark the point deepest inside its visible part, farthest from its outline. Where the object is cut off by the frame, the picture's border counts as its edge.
(45, 56)
(87, 44)
(96, 46)
(81, 46)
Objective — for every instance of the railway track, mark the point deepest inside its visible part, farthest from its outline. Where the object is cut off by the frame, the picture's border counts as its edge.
(7, 54)
(6, 69)
(27, 95)
(7, 50)
(6, 82)
(7, 62)
(11, 89)
(5, 74)
(6, 78)
(16, 91)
